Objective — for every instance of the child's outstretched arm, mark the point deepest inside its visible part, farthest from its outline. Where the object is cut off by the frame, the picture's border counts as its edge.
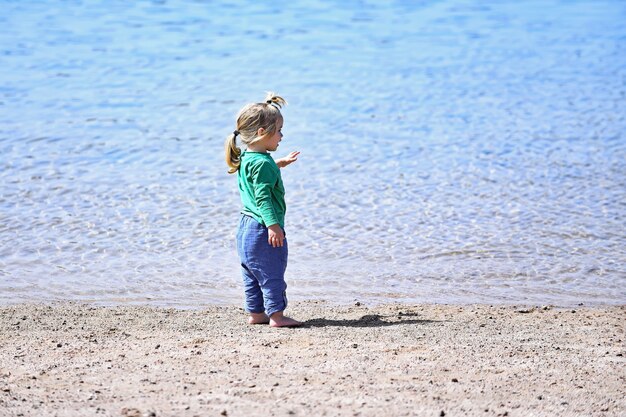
(283, 162)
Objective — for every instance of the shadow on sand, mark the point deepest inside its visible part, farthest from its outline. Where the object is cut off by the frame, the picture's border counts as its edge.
(370, 320)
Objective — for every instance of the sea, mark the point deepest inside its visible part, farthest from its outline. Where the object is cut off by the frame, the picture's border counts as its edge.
(452, 151)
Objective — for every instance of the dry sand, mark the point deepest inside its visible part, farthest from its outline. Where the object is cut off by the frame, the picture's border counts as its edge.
(394, 360)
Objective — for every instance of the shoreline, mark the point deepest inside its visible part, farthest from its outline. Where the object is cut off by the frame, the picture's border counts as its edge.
(72, 359)
(238, 301)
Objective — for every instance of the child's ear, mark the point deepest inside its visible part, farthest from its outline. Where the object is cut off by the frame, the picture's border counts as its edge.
(260, 132)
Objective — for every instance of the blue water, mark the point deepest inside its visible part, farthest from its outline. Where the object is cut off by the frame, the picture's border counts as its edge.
(452, 151)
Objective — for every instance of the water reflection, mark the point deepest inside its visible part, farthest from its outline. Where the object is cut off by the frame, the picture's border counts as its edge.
(450, 153)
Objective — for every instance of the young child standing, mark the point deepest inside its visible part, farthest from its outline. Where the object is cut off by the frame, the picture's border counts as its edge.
(261, 241)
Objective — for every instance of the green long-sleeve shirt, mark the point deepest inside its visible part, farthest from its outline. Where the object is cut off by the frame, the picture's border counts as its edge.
(261, 188)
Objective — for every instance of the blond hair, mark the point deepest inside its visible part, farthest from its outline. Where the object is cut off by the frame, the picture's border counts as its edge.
(250, 119)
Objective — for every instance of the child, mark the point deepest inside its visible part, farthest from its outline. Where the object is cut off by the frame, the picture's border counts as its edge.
(261, 241)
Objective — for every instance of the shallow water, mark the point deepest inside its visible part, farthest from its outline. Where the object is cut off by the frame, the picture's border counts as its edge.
(451, 153)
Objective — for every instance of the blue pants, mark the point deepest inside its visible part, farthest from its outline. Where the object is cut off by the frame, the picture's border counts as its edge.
(262, 268)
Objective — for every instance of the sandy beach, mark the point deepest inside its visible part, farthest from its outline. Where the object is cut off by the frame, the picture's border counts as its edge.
(393, 360)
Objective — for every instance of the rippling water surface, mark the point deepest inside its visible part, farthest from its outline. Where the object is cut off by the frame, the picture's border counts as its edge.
(451, 152)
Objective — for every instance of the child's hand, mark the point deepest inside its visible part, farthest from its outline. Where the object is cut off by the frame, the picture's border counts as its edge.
(276, 236)
(292, 157)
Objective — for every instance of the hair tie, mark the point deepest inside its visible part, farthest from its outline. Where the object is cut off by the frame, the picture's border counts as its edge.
(235, 132)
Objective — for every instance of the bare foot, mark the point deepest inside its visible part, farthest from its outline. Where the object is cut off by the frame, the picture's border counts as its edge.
(278, 320)
(258, 318)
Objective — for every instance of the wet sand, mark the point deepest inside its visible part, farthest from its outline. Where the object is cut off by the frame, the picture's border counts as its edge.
(393, 360)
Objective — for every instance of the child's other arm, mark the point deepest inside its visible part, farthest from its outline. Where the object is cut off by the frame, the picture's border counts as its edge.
(265, 178)
(276, 236)
(283, 162)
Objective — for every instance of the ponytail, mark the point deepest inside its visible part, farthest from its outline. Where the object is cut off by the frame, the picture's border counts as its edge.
(233, 152)
(275, 100)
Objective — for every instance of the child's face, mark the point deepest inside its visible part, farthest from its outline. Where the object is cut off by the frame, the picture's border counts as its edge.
(271, 141)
